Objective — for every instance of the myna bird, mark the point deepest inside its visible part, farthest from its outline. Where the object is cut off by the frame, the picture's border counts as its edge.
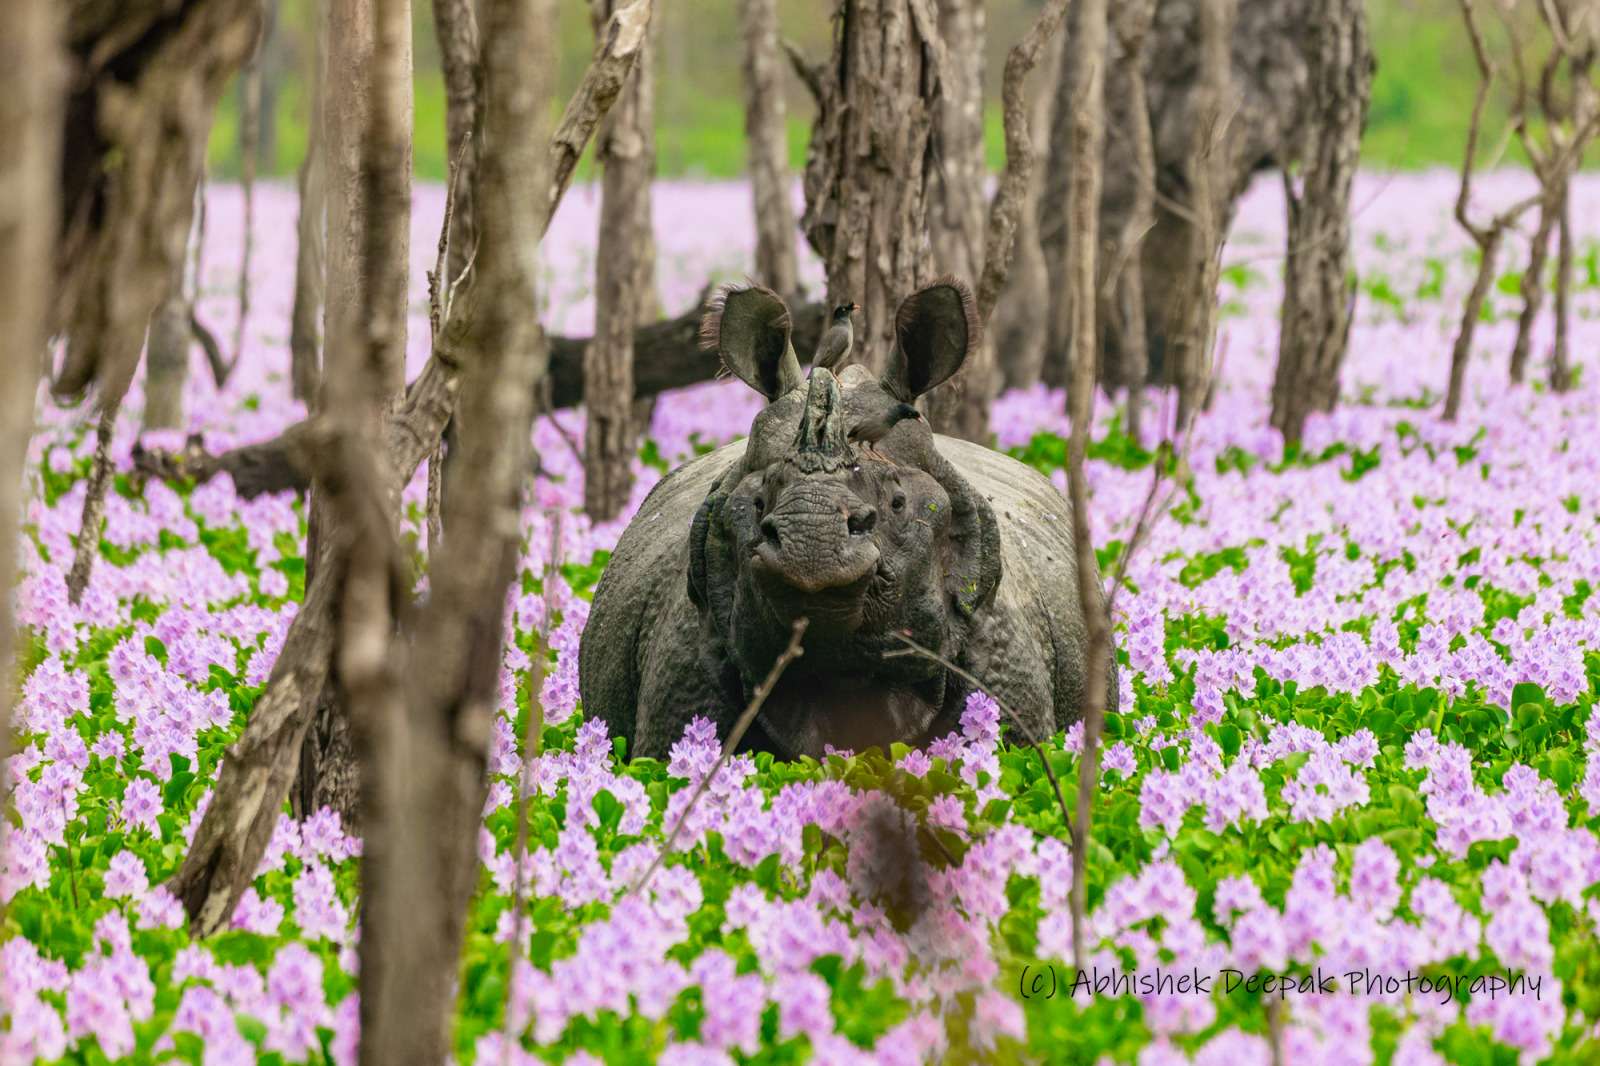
(876, 426)
(836, 340)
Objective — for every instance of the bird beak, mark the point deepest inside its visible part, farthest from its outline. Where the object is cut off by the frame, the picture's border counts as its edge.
(855, 307)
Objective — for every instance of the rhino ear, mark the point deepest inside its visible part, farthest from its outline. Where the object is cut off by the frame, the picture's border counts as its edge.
(975, 535)
(749, 326)
(936, 330)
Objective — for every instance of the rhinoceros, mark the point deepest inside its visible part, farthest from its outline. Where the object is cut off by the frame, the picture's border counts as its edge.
(966, 551)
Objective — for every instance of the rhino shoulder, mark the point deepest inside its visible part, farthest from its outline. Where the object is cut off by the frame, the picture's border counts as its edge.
(645, 576)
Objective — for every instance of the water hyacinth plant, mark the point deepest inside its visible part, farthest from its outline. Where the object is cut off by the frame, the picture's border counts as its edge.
(1348, 813)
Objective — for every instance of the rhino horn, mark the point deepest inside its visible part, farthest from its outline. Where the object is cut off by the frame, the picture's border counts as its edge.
(822, 429)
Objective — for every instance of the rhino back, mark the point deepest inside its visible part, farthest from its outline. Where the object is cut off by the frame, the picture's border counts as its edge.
(1029, 645)
(641, 605)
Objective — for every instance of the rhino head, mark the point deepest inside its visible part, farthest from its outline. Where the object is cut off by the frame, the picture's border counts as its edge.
(807, 526)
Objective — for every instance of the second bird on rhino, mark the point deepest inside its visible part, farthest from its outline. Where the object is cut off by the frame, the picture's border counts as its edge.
(967, 551)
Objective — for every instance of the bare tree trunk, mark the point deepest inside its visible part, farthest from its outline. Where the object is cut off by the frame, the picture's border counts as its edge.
(305, 333)
(258, 771)
(1319, 278)
(332, 757)
(1489, 254)
(249, 154)
(624, 288)
(455, 22)
(347, 105)
(1532, 285)
(1193, 312)
(428, 780)
(1088, 148)
(872, 159)
(1126, 273)
(768, 137)
(32, 76)
(1019, 325)
(1560, 371)
(960, 407)
(166, 361)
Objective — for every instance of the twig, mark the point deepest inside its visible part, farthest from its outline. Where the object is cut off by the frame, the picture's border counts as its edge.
(436, 278)
(220, 371)
(94, 508)
(1033, 739)
(530, 750)
(1005, 210)
(572, 444)
(790, 654)
(1275, 1031)
(435, 497)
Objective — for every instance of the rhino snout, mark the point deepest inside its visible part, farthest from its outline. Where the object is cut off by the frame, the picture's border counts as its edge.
(813, 553)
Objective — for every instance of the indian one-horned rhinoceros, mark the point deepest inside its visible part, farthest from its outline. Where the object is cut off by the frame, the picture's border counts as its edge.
(968, 551)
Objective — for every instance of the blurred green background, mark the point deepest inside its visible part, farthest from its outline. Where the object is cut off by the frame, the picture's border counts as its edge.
(1422, 92)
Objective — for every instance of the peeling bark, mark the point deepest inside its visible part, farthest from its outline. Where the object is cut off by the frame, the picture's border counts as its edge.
(1019, 326)
(455, 23)
(871, 162)
(1319, 278)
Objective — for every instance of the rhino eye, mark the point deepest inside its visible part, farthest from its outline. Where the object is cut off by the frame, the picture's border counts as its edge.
(899, 501)
(760, 503)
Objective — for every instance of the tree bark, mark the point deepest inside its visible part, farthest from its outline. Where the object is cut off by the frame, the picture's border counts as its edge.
(249, 155)
(345, 118)
(960, 407)
(1319, 278)
(258, 771)
(624, 287)
(1019, 327)
(305, 333)
(1268, 86)
(32, 77)
(871, 161)
(144, 89)
(1193, 314)
(166, 362)
(1087, 117)
(1489, 254)
(777, 265)
(455, 22)
(1127, 316)
(427, 782)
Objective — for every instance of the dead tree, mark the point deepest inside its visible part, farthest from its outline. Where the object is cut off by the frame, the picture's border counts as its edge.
(768, 139)
(1018, 328)
(1568, 121)
(1124, 272)
(1192, 308)
(32, 79)
(1268, 85)
(1489, 236)
(305, 334)
(1318, 274)
(144, 88)
(455, 23)
(624, 285)
(420, 859)
(1087, 123)
(259, 770)
(870, 165)
(956, 209)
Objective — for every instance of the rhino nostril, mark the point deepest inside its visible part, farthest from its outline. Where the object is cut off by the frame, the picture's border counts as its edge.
(862, 521)
(770, 529)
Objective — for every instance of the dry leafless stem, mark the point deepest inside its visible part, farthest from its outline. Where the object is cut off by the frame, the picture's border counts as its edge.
(736, 734)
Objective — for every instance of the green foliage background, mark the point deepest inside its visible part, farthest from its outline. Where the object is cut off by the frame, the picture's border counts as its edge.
(1422, 92)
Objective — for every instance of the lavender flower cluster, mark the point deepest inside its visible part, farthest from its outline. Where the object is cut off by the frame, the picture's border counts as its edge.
(1358, 733)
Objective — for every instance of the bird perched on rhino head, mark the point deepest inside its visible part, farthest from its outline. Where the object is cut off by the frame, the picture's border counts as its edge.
(964, 550)
(834, 347)
(875, 425)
